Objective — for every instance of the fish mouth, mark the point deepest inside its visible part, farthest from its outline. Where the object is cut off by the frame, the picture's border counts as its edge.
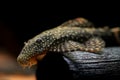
(33, 60)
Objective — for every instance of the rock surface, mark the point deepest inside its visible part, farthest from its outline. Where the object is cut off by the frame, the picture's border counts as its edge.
(103, 65)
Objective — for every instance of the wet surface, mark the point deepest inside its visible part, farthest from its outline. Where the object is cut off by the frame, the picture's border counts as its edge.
(95, 66)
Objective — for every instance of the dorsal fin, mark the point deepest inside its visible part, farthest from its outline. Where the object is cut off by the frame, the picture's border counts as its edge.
(78, 22)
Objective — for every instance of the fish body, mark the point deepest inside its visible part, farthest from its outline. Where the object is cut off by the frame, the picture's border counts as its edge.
(63, 38)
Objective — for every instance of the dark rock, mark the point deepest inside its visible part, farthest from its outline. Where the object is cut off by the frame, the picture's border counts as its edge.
(85, 65)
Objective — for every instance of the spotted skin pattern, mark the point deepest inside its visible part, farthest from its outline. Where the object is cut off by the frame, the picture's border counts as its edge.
(69, 36)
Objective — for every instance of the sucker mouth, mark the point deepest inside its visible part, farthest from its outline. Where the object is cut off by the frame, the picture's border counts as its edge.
(33, 60)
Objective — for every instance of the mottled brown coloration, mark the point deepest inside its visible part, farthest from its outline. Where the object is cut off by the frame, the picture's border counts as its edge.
(76, 34)
(78, 22)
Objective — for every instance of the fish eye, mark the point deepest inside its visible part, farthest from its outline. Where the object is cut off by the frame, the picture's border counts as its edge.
(38, 40)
